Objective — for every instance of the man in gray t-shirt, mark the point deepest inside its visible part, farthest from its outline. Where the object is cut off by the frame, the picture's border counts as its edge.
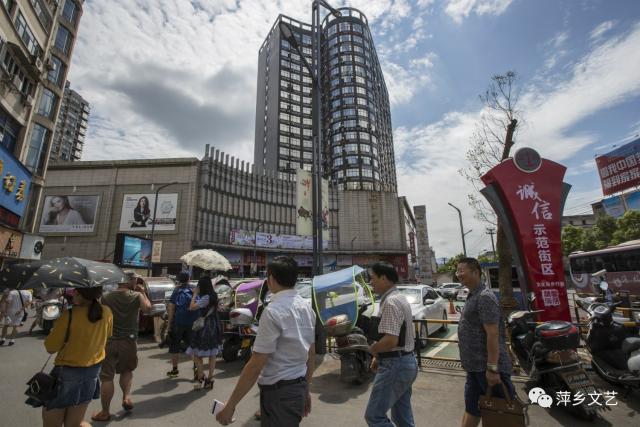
(121, 350)
(483, 352)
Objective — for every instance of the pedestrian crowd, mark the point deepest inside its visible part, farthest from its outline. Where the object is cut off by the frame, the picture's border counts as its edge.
(96, 341)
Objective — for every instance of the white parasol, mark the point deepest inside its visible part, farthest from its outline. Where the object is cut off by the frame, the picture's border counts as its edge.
(207, 259)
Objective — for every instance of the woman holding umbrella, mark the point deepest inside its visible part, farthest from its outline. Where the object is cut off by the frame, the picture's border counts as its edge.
(85, 328)
(206, 341)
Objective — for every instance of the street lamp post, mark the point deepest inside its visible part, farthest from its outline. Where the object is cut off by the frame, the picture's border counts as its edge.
(255, 245)
(462, 232)
(316, 77)
(353, 240)
(153, 224)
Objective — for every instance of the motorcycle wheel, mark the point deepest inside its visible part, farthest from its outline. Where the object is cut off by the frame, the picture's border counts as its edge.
(230, 351)
(46, 326)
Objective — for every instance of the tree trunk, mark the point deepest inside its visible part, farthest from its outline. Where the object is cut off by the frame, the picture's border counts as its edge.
(505, 257)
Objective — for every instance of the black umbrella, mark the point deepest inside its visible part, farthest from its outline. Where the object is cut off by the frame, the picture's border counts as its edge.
(68, 272)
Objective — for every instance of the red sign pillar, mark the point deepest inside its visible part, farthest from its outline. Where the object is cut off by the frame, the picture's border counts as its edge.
(528, 195)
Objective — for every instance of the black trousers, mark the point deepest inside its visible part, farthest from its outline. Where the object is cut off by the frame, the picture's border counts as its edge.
(283, 406)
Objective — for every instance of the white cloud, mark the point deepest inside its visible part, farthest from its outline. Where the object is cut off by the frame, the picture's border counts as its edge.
(458, 10)
(429, 156)
(601, 29)
(404, 82)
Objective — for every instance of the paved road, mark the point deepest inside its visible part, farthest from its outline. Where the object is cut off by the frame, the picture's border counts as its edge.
(163, 402)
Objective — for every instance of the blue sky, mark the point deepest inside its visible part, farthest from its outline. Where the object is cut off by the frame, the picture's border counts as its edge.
(165, 77)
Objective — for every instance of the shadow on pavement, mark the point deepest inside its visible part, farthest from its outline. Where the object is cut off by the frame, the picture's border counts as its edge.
(162, 405)
(330, 389)
(159, 386)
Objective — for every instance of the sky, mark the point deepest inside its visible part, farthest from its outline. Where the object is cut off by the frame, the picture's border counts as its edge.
(166, 77)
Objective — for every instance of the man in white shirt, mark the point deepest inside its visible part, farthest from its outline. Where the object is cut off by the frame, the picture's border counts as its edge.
(283, 356)
(14, 305)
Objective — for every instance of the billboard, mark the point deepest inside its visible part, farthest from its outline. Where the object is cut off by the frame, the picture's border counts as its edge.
(69, 214)
(270, 240)
(620, 168)
(633, 200)
(10, 242)
(614, 206)
(16, 182)
(137, 212)
(304, 210)
(132, 251)
(326, 234)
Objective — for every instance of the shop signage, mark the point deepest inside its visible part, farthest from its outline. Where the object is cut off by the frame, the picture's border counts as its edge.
(10, 243)
(16, 182)
(528, 197)
(270, 240)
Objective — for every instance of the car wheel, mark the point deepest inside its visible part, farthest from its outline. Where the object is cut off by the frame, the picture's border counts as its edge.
(424, 333)
(444, 326)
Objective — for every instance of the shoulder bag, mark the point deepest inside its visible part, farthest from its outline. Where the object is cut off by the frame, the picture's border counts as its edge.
(199, 323)
(42, 387)
(24, 309)
(498, 412)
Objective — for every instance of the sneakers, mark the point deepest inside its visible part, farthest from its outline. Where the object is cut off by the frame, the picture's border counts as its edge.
(173, 373)
(11, 342)
(2, 341)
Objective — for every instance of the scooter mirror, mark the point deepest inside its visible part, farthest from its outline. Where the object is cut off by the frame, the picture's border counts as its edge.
(531, 297)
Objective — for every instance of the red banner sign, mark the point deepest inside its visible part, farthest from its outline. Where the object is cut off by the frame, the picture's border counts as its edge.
(620, 169)
(532, 196)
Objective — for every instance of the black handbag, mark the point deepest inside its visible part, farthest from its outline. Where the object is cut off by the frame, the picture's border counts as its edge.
(42, 387)
(25, 315)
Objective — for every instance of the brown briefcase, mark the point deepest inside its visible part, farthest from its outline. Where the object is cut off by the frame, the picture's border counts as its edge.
(499, 412)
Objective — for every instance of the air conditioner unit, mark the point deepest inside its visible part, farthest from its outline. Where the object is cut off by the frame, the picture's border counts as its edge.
(27, 100)
(38, 63)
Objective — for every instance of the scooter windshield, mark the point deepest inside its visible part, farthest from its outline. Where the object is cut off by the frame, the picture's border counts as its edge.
(248, 295)
(338, 293)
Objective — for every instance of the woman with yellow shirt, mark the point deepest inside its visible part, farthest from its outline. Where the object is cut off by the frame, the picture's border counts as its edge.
(77, 363)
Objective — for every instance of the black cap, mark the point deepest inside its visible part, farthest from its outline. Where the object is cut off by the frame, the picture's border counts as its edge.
(182, 277)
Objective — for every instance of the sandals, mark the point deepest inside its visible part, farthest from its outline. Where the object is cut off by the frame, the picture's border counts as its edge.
(127, 405)
(208, 383)
(101, 417)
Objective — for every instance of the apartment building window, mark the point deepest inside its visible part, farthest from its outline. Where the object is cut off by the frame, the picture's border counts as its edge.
(70, 11)
(47, 106)
(37, 149)
(353, 172)
(9, 129)
(56, 73)
(26, 35)
(63, 40)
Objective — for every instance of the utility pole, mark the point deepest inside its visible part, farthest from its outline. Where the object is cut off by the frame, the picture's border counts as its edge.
(491, 232)
(462, 232)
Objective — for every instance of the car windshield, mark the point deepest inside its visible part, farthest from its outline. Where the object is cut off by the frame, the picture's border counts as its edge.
(450, 285)
(413, 295)
(304, 289)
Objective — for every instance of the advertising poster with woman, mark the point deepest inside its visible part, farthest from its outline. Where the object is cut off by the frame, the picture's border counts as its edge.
(69, 214)
(137, 212)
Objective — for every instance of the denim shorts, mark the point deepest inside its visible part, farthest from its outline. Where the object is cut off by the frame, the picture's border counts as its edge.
(476, 386)
(75, 386)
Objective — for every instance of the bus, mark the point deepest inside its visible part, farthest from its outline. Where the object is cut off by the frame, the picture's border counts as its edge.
(490, 272)
(622, 265)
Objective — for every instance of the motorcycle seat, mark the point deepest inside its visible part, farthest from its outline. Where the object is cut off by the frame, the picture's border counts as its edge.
(630, 345)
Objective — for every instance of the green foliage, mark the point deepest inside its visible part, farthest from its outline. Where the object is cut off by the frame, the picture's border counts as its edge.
(607, 231)
(486, 258)
(451, 265)
(628, 228)
(572, 239)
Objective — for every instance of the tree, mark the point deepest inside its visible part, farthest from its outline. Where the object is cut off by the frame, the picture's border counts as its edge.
(491, 143)
(628, 228)
(572, 239)
(451, 265)
(603, 231)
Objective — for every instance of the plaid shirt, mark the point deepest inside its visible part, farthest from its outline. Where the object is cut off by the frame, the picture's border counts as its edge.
(394, 310)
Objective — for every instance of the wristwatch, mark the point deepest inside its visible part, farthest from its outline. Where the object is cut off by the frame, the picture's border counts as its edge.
(492, 368)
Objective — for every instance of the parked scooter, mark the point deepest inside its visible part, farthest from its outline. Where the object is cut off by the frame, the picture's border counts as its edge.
(547, 352)
(51, 311)
(352, 345)
(614, 344)
(239, 339)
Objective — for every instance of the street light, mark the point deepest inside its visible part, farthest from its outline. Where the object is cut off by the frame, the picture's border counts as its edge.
(462, 232)
(353, 240)
(315, 72)
(255, 245)
(153, 224)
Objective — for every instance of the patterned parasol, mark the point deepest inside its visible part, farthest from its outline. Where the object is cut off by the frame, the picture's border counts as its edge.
(67, 272)
(206, 259)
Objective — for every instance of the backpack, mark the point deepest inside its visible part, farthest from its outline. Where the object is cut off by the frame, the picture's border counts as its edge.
(182, 299)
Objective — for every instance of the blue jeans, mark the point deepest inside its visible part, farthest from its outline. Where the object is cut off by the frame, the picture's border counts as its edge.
(392, 390)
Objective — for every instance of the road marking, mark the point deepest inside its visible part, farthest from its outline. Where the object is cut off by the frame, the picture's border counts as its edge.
(440, 346)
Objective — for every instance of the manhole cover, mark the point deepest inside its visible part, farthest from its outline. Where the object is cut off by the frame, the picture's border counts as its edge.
(441, 364)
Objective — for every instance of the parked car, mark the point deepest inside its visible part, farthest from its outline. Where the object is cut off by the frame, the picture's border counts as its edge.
(463, 294)
(449, 290)
(425, 304)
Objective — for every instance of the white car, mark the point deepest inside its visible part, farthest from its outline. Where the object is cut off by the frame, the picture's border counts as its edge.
(426, 304)
(462, 294)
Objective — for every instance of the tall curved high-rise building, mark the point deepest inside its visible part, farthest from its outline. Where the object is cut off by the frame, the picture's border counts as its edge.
(357, 141)
(358, 149)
